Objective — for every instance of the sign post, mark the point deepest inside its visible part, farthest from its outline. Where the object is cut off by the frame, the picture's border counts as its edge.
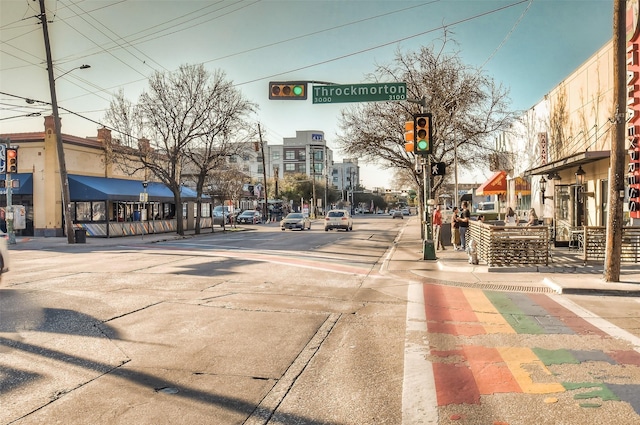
(8, 214)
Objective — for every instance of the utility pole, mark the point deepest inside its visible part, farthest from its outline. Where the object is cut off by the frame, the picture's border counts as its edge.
(312, 151)
(613, 246)
(64, 180)
(265, 213)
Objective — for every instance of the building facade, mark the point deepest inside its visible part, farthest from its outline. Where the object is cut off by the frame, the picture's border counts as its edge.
(562, 145)
(105, 201)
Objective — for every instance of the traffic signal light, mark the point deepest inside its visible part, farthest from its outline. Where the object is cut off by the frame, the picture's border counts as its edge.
(12, 160)
(288, 90)
(422, 134)
(408, 136)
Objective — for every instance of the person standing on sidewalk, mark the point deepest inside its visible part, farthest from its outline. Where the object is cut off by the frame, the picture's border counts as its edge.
(465, 216)
(455, 229)
(437, 226)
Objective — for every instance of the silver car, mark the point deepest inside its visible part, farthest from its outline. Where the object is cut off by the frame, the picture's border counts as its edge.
(338, 219)
(295, 221)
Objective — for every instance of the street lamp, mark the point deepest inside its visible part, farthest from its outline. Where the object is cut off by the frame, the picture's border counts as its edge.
(84, 66)
(580, 173)
(543, 189)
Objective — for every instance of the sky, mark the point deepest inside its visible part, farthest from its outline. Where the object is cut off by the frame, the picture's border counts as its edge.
(528, 46)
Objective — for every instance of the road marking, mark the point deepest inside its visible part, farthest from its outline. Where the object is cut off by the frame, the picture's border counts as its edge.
(600, 323)
(518, 357)
(419, 403)
(487, 314)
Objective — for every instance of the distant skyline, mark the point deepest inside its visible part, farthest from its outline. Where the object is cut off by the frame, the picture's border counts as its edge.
(528, 46)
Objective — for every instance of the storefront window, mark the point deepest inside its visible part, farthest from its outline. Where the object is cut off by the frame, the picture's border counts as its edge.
(99, 211)
(83, 211)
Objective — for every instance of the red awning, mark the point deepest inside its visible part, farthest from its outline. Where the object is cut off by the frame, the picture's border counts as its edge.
(496, 185)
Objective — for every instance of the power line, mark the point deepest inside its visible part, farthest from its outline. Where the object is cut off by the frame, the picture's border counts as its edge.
(480, 15)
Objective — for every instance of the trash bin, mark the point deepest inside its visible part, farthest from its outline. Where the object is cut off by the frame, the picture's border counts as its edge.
(81, 236)
(445, 234)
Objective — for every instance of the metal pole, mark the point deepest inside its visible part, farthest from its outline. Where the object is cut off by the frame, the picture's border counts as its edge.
(64, 180)
(312, 150)
(8, 215)
(265, 213)
(326, 179)
(455, 173)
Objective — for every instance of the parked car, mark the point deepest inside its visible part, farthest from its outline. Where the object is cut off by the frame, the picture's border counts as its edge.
(250, 217)
(397, 214)
(295, 221)
(338, 219)
(405, 211)
(4, 254)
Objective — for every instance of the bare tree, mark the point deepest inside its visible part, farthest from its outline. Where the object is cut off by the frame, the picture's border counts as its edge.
(468, 109)
(227, 133)
(177, 114)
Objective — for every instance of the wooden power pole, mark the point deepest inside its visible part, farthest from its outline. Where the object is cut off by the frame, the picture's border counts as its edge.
(613, 247)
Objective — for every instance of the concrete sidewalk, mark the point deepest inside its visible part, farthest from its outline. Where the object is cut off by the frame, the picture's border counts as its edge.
(453, 266)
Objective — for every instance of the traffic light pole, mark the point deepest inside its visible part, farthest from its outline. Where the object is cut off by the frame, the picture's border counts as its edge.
(8, 213)
(428, 248)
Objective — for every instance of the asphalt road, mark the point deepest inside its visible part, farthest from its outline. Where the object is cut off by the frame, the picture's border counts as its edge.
(229, 329)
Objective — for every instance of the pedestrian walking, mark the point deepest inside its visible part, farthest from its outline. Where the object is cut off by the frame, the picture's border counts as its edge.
(437, 227)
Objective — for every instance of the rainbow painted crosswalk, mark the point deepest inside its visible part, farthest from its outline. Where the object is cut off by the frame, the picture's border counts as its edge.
(488, 342)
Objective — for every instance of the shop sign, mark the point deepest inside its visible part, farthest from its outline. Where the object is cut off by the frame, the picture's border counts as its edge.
(633, 106)
(542, 141)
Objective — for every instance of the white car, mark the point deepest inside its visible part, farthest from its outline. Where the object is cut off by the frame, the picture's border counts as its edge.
(338, 219)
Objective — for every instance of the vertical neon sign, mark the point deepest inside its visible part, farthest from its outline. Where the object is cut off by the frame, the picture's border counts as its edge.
(633, 106)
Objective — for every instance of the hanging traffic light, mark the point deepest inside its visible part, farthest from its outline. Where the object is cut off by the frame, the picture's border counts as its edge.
(408, 136)
(12, 160)
(422, 134)
(292, 90)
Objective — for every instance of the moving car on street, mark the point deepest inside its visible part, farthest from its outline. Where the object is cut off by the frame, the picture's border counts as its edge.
(397, 214)
(338, 219)
(250, 217)
(295, 221)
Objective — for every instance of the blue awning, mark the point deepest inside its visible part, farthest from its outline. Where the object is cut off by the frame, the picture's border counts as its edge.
(25, 187)
(89, 188)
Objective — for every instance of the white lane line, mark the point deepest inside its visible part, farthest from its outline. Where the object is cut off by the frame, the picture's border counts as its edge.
(600, 323)
(419, 401)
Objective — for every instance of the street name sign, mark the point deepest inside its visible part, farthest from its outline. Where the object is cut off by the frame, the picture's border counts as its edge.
(376, 92)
